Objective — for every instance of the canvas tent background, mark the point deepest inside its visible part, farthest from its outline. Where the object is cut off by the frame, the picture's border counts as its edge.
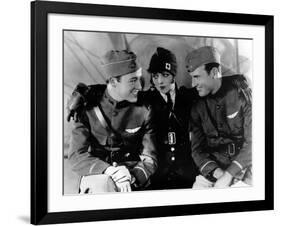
(83, 51)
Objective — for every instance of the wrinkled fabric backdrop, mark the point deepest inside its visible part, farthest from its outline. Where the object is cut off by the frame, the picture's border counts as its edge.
(83, 51)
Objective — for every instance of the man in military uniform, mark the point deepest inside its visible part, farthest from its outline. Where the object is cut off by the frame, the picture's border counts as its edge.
(112, 143)
(172, 106)
(221, 122)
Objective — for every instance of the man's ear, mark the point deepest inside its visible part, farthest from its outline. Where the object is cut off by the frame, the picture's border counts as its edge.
(112, 82)
(214, 72)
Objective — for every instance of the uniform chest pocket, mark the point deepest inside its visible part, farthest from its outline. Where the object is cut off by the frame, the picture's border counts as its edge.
(208, 126)
(132, 136)
(235, 121)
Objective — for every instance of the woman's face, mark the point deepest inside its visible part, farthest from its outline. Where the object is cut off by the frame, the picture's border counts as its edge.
(163, 81)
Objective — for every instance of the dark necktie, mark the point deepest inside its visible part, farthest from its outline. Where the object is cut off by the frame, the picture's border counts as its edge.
(169, 101)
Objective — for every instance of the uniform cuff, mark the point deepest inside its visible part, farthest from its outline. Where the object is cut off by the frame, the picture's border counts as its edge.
(208, 167)
(140, 175)
(234, 168)
(98, 167)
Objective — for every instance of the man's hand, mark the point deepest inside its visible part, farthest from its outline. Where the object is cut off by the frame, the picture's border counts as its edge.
(110, 170)
(121, 175)
(124, 186)
(118, 173)
(218, 173)
(224, 181)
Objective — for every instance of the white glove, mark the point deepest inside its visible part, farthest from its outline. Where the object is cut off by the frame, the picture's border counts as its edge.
(121, 175)
(110, 170)
(124, 186)
(218, 173)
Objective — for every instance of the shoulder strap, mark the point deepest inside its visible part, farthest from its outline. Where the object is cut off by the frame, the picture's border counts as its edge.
(104, 121)
(212, 120)
(101, 118)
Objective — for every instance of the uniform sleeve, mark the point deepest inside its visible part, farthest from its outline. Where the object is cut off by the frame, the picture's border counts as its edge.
(199, 145)
(244, 158)
(148, 164)
(81, 161)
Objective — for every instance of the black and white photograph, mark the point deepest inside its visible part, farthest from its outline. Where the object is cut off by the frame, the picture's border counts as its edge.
(159, 112)
(149, 112)
(154, 112)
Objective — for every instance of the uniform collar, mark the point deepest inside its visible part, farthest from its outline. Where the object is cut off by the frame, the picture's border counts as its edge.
(172, 93)
(114, 103)
(221, 91)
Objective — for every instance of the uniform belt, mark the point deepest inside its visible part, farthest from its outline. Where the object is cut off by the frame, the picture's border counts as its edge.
(230, 149)
(115, 156)
(173, 139)
(121, 156)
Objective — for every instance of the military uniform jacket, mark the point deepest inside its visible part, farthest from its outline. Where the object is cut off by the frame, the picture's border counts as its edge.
(176, 164)
(93, 148)
(219, 122)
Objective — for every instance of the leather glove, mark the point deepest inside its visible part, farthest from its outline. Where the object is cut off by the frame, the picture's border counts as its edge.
(243, 87)
(76, 102)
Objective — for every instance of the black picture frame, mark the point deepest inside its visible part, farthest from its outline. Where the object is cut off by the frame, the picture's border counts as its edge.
(39, 112)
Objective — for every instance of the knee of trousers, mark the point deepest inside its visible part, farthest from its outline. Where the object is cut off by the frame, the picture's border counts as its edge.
(97, 184)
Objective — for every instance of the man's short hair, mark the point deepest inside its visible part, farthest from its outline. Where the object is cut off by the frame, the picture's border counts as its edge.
(210, 66)
(118, 78)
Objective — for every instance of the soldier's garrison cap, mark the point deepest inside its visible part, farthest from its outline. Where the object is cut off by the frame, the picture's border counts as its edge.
(163, 60)
(117, 63)
(201, 56)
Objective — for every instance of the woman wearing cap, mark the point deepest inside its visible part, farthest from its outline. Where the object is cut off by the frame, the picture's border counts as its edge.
(176, 168)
